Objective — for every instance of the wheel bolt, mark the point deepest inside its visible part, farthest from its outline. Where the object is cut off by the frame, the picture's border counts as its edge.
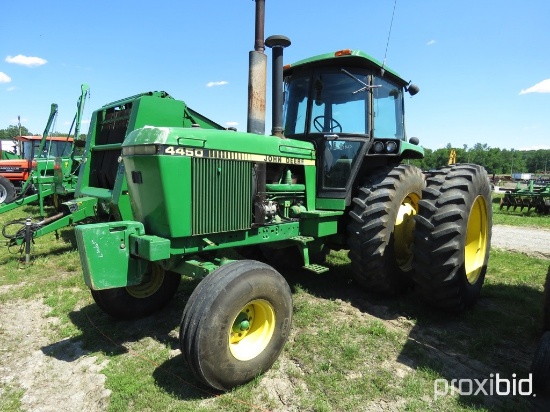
(245, 324)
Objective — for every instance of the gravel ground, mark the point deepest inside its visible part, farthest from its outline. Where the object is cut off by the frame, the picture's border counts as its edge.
(531, 241)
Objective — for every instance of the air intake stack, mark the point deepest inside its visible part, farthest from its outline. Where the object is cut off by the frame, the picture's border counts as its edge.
(277, 43)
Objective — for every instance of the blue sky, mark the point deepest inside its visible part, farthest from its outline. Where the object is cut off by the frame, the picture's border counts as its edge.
(483, 67)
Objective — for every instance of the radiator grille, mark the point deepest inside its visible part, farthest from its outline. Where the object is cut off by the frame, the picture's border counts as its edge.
(222, 195)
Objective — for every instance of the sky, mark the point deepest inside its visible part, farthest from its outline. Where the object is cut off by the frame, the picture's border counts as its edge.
(483, 67)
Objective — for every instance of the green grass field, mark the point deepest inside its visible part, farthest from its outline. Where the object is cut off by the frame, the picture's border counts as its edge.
(349, 350)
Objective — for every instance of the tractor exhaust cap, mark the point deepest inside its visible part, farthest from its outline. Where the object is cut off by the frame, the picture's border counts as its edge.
(277, 43)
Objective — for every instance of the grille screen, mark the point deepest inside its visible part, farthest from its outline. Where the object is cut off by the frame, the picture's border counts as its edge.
(222, 195)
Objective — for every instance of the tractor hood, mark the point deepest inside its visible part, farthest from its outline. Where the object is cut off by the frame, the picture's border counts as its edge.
(177, 176)
(174, 141)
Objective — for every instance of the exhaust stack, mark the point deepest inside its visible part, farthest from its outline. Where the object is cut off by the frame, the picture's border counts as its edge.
(277, 43)
(257, 63)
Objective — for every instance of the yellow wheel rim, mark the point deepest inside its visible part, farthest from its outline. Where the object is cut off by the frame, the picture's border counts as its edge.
(404, 232)
(252, 330)
(151, 283)
(476, 240)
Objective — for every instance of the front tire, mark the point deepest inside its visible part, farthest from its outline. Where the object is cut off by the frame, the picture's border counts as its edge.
(133, 302)
(381, 229)
(7, 190)
(453, 236)
(236, 323)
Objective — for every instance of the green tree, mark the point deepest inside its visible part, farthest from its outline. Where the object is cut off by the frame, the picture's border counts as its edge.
(13, 131)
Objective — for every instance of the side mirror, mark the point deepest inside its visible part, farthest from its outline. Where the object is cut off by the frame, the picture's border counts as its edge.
(413, 89)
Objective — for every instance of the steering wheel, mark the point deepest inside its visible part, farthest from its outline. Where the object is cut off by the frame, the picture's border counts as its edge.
(318, 124)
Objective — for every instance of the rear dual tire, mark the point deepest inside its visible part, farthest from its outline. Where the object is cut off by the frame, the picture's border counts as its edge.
(445, 222)
(381, 229)
(453, 236)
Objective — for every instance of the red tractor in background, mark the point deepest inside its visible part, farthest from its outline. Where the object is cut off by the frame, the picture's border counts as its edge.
(15, 172)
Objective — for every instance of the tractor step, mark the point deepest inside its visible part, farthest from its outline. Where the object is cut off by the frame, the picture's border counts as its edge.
(312, 267)
(302, 239)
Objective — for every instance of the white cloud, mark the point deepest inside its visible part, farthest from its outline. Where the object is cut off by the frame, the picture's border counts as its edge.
(11, 88)
(26, 60)
(231, 124)
(212, 84)
(542, 87)
(430, 43)
(4, 78)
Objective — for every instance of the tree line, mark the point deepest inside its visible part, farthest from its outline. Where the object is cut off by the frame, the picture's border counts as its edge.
(12, 131)
(495, 160)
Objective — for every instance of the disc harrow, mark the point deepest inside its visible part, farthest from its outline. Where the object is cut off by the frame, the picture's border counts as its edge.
(531, 197)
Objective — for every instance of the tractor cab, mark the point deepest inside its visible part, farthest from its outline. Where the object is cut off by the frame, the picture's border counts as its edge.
(54, 147)
(18, 170)
(350, 107)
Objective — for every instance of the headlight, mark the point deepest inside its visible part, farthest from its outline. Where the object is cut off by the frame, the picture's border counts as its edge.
(149, 149)
(378, 147)
(391, 146)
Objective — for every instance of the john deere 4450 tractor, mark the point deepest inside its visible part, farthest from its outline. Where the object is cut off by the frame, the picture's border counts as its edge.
(332, 176)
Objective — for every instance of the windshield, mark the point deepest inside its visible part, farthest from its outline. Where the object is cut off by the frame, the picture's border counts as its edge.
(335, 108)
(52, 149)
(58, 149)
(337, 101)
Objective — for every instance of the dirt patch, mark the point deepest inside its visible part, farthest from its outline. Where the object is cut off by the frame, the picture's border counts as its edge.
(54, 376)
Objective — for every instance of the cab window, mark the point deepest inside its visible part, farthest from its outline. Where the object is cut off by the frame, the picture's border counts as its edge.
(388, 110)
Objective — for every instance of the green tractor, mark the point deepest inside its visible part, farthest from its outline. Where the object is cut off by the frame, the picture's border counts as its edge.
(333, 175)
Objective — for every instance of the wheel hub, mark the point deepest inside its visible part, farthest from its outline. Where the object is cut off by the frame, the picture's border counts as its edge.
(252, 330)
(404, 234)
(152, 282)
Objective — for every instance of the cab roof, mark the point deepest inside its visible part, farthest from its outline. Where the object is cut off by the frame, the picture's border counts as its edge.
(54, 138)
(346, 56)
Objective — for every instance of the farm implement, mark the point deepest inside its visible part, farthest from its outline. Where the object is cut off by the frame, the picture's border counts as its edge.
(48, 166)
(531, 197)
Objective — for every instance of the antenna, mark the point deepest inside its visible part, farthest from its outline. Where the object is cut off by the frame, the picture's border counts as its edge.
(388, 42)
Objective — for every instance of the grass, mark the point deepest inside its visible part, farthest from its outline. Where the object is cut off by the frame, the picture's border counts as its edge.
(348, 350)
